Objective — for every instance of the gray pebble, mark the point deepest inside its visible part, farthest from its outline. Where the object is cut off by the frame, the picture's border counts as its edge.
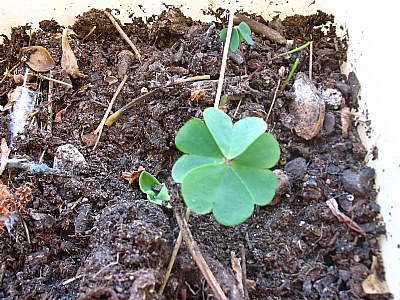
(68, 158)
(296, 168)
(358, 183)
(329, 122)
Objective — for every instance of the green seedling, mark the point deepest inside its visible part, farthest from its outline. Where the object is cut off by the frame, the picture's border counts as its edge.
(292, 70)
(239, 33)
(157, 192)
(225, 168)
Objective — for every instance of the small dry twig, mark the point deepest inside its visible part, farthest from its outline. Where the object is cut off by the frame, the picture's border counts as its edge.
(261, 29)
(244, 272)
(173, 256)
(99, 129)
(224, 59)
(273, 100)
(123, 34)
(199, 259)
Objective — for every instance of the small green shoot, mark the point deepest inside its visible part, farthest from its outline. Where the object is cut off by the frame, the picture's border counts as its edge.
(225, 168)
(239, 33)
(296, 63)
(223, 101)
(157, 192)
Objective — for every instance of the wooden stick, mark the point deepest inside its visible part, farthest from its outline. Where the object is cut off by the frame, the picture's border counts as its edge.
(99, 128)
(273, 100)
(262, 29)
(224, 59)
(199, 259)
(244, 271)
(173, 256)
(115, 116)
(123, 34)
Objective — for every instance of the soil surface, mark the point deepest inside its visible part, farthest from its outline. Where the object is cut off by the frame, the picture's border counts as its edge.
(88, 233)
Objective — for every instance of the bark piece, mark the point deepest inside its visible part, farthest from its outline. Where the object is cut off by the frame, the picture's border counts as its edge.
(262, 29)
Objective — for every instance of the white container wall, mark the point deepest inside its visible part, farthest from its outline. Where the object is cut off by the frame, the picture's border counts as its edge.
(372, 46)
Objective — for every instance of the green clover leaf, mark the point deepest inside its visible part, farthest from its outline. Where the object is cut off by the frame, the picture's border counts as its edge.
(225, 168)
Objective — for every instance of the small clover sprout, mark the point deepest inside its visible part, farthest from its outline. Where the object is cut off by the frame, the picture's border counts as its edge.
(157, 193)
(225, 168)
(239, 33)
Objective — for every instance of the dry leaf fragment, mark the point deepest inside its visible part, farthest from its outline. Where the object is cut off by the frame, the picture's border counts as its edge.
(4, 153)
(109, 78)
(373, 284)
(59, 115)
(132, 176)
(89, 139)
(333, 206)
(12, 96)
(37, 58)
(68, 59)
(237, 268)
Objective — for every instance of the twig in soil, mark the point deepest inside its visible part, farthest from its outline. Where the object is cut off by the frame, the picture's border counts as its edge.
(261, 29)
(90, 33)
(237, 108)
(9, 72)
(199, 259)
(224, 59)
(273, 100)
(52, 80)
(107, 266)
(2, 271)
(28, 237)
(333, 206)
(115, 116)
(123, 34)
(68, 281)
(173, 256)
(99, 129)
(50, 107)
(244, 271)
(276, 57)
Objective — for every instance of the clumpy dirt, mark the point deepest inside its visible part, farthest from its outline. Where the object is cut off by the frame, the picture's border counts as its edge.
(90, 234)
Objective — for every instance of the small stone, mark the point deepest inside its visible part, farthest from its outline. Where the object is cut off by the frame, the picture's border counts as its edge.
(237, 57)
(296, 168)
(344, 88)
(329, 122)
(332, 169)
(68, 158)
(283, 181)
(312, 190)
(358, 183)
(333, 98)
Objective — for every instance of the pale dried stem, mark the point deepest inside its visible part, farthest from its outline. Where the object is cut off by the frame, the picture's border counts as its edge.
(173, 256)
(199, 259)
(99, 129)
(123, 34)
(224, 60)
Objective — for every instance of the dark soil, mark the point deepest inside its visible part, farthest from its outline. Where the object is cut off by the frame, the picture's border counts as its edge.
(93, 235)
